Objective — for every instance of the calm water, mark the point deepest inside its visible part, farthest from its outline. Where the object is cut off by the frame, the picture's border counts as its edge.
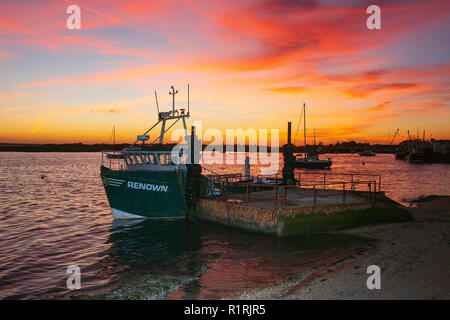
(54, 213)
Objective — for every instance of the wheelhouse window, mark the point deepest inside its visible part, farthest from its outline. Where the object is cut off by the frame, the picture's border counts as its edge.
(150, 158)
(136, 159)
(165, 159)
(128, 159)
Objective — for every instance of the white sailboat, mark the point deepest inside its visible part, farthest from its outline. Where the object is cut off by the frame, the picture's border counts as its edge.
(310, 160)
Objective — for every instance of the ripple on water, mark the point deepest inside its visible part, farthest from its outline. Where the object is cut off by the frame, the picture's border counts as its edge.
(63, 219)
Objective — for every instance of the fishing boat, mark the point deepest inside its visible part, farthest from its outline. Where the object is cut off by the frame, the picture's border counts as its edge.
(142, 181)
(310, 160)
(416, 150)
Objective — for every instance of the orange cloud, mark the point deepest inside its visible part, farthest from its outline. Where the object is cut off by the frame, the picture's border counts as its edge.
(364, 90)
(292, 89)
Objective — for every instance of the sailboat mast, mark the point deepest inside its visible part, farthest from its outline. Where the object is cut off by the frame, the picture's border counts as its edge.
(114, 136)
(304, 126)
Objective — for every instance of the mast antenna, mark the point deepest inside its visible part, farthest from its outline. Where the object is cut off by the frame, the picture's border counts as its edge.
(173, 93)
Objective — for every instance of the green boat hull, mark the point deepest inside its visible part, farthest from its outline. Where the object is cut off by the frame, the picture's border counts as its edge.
(145, 194)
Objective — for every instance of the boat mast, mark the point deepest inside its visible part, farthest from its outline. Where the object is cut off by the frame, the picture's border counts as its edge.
(163, 117)
(304, 125)
(163, 127)
(173, 93)
(112, 137)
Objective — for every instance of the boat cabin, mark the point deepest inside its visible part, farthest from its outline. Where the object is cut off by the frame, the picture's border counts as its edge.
(140, 160)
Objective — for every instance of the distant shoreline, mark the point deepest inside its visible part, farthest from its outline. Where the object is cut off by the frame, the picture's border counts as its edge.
(67, 147)
(80, 147)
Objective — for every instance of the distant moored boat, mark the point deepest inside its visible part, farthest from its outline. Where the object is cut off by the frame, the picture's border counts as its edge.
(310, 160)
(367, 153)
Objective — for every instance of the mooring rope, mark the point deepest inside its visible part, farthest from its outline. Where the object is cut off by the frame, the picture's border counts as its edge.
(181, 187)
(298, 126)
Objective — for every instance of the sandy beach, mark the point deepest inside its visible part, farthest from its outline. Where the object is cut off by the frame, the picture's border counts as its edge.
(414, 258)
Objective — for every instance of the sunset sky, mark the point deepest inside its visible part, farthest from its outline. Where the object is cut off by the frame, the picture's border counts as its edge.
(250, 64)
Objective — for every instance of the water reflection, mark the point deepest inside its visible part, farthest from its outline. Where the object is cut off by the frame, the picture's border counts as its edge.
(64, 219)
(150, 242)
(222, 260)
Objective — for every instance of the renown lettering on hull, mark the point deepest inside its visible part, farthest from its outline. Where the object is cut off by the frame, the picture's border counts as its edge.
(147, 186)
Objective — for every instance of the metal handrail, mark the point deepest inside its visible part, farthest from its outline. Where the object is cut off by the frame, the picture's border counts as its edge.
(324, 176)
(283, 199)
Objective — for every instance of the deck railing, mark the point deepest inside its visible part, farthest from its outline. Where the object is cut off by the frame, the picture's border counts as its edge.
(325, 185)
(280, 193)
(233, 177)
(325, 180)
(329, 178)
(113, 160)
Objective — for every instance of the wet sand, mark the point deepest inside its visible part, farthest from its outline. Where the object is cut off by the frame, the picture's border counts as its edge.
(414, 258)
